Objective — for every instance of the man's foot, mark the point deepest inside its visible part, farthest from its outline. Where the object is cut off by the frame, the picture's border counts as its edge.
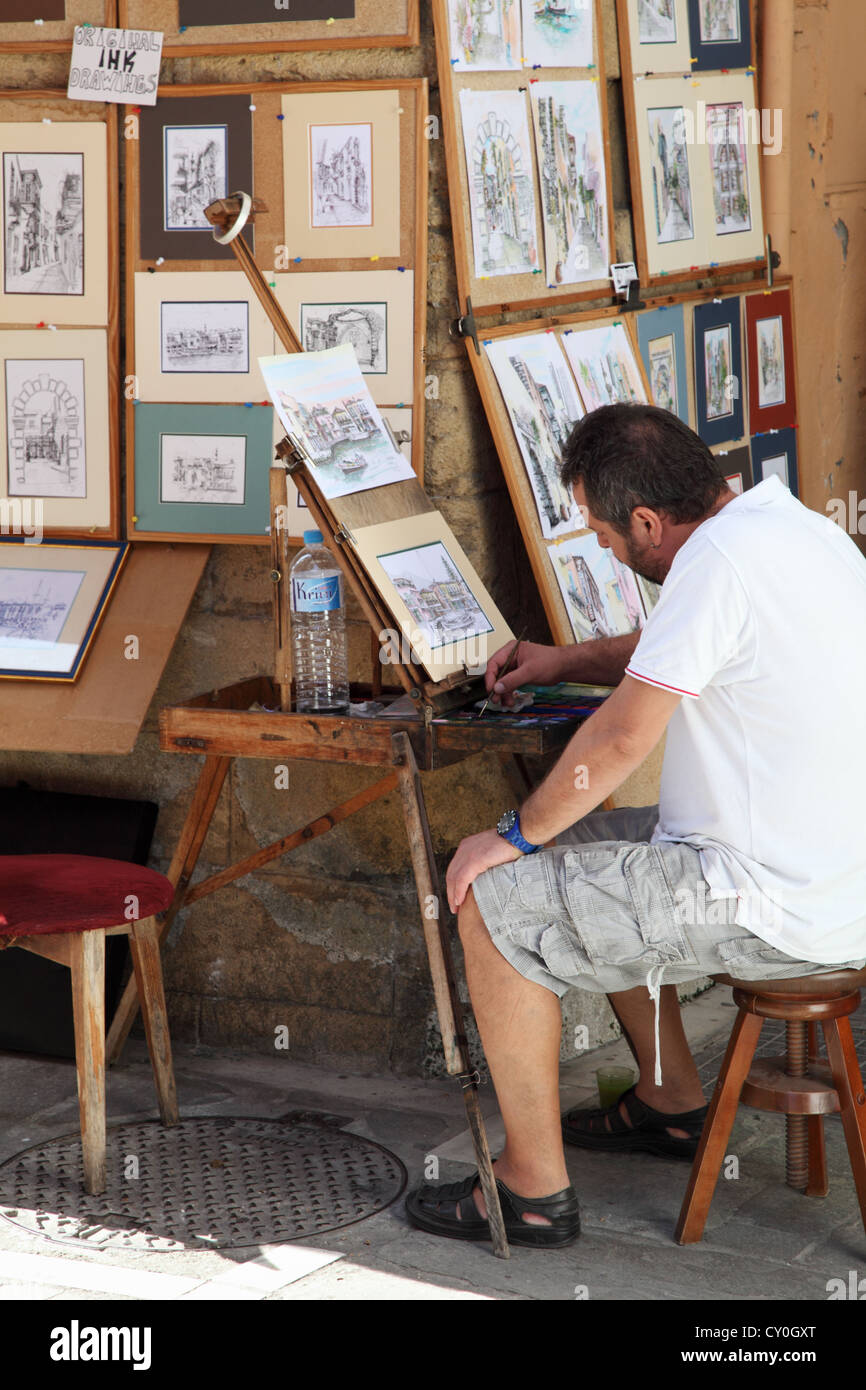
(454, 1209)
(634, 1126)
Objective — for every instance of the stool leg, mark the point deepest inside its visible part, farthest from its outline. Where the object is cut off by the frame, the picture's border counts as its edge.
(717, 1128)
(796, 1128)
(87, 964)
(852, 1100)
(818, 1184)
(144, 945)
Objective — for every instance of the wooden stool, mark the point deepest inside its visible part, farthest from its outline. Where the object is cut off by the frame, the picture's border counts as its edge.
(798, 1085)
(63, 906)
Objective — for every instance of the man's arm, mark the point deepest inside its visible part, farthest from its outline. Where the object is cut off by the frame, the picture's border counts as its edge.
(601, 661)
(604, 751)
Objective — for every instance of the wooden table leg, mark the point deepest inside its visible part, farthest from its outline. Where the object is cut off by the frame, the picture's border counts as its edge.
(144, 944)
(181, 870)
(448, 1007)
(87, 963)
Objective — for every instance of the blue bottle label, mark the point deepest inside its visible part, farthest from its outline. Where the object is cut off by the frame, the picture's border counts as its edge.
(317, 594)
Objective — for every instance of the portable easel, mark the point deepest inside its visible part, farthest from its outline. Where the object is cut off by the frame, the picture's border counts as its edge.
(222, 725)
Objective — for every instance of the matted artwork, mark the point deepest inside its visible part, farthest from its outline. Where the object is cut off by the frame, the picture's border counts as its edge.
(600, 594)
(201, 471)
(720, 34)
(657, 35)
(198, 337)
(604, 365)
(775, 455)
(428, 583)
(373, 310)
(323, 403)
(542, 406)
(341, 162)
(737, 467)
(770, 355)
(672, 206)
(662, 343)
(574, 197)
(558, 33)
(54, 222)
(55, 442)
(52, 598)
(485, 34)
(501, 183)
(718, 371)
(195, 173)
(729, 171)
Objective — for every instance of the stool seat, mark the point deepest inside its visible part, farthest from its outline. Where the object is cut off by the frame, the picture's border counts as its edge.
(44, 894)
(832, 984)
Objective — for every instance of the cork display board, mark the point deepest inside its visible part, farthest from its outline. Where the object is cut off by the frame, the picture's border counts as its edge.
(20, 33)
(334, 24)
(539, 164)
(201, 142)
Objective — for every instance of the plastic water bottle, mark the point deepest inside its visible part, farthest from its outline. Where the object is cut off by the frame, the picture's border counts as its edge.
(321, 666)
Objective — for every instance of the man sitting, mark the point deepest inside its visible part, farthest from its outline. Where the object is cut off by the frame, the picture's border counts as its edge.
(754, 862)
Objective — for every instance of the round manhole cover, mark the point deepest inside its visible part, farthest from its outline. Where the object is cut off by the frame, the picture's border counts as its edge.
(207, 1183)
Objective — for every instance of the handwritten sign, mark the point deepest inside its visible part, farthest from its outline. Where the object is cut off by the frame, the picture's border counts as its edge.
(119, 65)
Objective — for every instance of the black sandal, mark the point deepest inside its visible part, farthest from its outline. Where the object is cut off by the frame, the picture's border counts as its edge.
(648, 1133)
(423, 1207)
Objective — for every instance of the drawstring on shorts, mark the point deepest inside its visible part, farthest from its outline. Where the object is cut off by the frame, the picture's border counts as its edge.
(654, 987)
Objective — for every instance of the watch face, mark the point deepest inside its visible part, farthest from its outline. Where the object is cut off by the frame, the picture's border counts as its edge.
(507, 822)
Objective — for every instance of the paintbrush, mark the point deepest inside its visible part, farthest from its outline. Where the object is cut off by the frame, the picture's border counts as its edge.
(506, 668)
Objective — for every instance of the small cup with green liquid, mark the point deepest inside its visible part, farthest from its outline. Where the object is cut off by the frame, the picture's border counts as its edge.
(612, 1082)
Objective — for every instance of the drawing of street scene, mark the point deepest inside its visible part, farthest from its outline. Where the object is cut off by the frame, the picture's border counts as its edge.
(197, 336)
(202, 468)
(441, 604)
(663, 373)
(771, 362)
(543, 406)
(669, 167)
(727, 148)
(341, 170)
(605, 366)
(657, 21)
(600, 593)
(717, 372)
(720, 21)
(573, 187)
(362, 325)
(485, 34)
(43, 202)
(45, 428)
(195, 173)
(501, 195)
(35, 604)
(557, 33)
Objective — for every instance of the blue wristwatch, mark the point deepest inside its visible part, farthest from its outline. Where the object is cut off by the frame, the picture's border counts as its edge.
(508, 826)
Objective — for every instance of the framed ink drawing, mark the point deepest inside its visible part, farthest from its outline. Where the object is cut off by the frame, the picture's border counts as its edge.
(197, 27)
(52, 599)
(721, 34)
(770, 361)
(661, 335)
(654, 36)
(718, 371)
(776, 455)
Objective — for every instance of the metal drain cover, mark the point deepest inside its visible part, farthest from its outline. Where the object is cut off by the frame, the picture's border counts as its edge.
(208, 1183)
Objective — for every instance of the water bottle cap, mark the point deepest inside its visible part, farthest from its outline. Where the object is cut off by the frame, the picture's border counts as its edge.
(313, 538)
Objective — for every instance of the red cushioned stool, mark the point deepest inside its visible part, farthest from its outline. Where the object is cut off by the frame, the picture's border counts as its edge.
(63, 906)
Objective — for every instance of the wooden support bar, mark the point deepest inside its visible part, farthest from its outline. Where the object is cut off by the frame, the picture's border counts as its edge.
(144, 946)
(87, 963)
(280, 581)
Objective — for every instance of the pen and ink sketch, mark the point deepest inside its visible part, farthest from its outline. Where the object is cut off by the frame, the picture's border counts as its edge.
(776, 465)
(205, 336)
(600, 593)
(323, 402)
(441, 604)
(570, 149)
(543, 406)
(727, 149)
(35, 604)
(501, 185)
(202, 468)
(657, 21)
(717, 372)
(45, 430)
(558, 33)
(341, 175)
(363, 325)
(663, 372)
(605, 366)
(195, 173)
(669, 174)
(771, 362)
(485, 34)
(43, 222)
(720, 21)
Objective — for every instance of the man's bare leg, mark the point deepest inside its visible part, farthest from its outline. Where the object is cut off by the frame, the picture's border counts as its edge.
(681, 1087)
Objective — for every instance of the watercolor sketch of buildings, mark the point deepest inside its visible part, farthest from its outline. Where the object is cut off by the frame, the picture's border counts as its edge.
(485, 34)
(573, 185)
(557, 33)
(726, 142)
(669, 174)
(600, 593)
(605, 366)
(501, 185)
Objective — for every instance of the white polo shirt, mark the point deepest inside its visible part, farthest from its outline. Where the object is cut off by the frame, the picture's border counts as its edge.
(761, 627)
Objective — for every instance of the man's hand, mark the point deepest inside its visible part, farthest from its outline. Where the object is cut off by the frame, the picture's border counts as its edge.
(536, 665)
(473, 855)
